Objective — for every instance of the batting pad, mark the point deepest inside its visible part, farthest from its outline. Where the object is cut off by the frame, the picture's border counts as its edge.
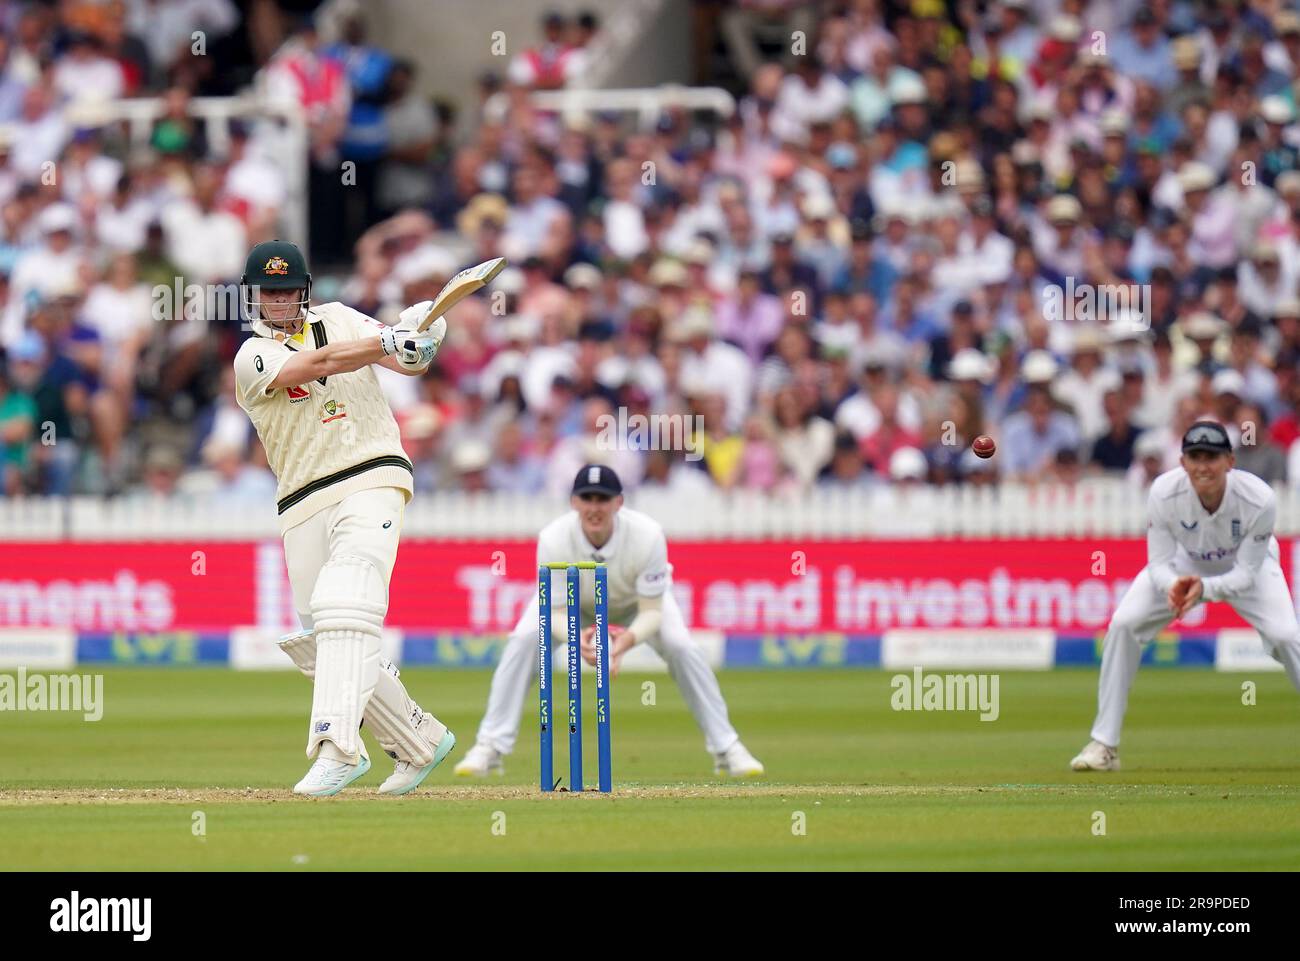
(348, 605)
(301, 648)
(397, 721)
(395, 718)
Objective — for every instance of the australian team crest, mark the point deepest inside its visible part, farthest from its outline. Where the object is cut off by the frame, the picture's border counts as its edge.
(332, 410)
(276, 265)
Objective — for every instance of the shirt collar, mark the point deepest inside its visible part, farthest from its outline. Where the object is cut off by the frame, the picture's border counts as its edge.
(601, 553)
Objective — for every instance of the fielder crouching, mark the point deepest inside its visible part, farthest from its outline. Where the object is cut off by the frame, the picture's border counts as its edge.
(1209, 538)
(305, 380)
(634, 551)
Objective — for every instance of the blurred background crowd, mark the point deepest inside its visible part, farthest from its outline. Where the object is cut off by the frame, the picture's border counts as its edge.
(839, 285)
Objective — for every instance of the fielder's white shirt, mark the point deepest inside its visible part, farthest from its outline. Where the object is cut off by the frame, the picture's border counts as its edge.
(327, 438)
(1225, 549)
(635, 558)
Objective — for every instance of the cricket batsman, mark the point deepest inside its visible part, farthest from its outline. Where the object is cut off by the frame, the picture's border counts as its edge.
(632, 547)
(1209, 538)
(306, 380)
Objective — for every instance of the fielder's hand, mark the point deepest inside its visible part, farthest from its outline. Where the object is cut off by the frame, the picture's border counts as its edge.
(618, 646)
(1184, 593)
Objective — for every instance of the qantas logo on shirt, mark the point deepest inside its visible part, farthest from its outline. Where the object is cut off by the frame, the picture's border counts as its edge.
(297, 394)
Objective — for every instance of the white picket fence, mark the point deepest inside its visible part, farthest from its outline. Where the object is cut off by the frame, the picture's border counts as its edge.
(1095, 508)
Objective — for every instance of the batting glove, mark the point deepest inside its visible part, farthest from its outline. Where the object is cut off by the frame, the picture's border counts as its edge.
(412, 350)
(411, 316)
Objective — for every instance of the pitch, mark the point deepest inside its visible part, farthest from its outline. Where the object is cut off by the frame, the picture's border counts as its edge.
(191, 770)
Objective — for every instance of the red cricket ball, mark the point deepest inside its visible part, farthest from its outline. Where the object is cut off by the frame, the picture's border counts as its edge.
(984, 446)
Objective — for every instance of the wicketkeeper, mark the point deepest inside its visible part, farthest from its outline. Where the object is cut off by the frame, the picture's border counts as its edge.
(634, 551)
(1209, 538)
(306, 381)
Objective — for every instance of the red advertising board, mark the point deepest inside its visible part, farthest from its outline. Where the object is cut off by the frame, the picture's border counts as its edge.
(859, 587)
(127, 586)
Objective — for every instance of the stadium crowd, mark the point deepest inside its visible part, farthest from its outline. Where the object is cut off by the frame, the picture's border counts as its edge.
(1072, 226)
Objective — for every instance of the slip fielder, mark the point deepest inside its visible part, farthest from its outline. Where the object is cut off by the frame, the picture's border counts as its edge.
(1209, 538)
(634, 551)
(305, 380)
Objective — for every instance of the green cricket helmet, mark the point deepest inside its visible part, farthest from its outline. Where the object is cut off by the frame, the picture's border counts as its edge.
(273, 265)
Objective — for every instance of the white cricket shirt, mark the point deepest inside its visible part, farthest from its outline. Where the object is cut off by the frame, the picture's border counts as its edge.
(635, 557)
(327, 438)
(1226, 548)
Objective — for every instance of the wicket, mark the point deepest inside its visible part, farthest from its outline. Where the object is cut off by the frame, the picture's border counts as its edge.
(573, 628)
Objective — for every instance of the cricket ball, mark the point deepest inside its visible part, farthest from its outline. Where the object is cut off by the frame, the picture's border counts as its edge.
(984, 446)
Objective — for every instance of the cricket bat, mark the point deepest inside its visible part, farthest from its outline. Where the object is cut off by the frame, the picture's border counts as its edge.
(461, 286)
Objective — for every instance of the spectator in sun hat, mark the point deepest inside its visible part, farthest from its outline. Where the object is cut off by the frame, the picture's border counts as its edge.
(1212, 218)
(1203, 330)
(54, 264)
(1059, 238)
(1228, 390)
(1283, 334)
(1084, 385)
(1149, 459)
(1278, 155)
(1262, 280)
(1190, 88)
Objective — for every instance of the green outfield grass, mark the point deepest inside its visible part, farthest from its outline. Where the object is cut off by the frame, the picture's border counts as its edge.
(1208, 783)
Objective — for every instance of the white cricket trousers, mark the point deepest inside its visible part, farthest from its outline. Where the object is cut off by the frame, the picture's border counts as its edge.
(353, 526)
(517, 671)
(1144, 611)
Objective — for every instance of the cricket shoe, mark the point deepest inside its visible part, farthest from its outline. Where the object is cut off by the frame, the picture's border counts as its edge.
(480, 761)
(1096, 757)
(326, 778)
(406, 777)
(735, 761)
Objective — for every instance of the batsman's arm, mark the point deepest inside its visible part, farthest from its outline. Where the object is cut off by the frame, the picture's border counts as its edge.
(341, 358)
(393, 364)
(1250, 558)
